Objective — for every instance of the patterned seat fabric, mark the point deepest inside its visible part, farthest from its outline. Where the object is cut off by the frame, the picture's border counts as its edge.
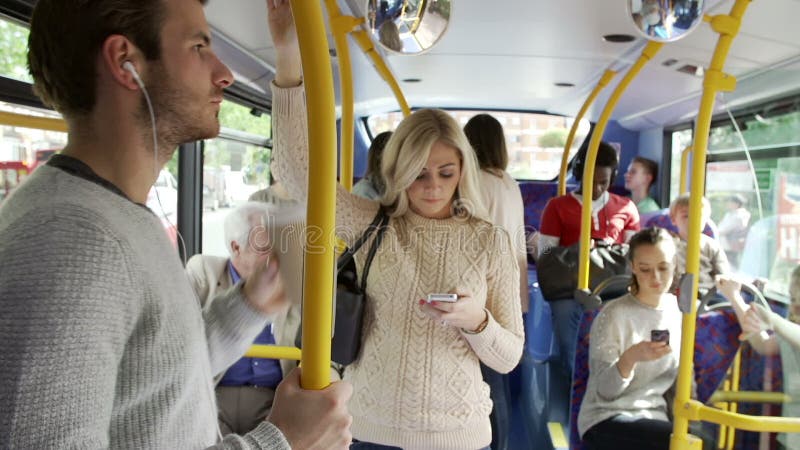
(662, 220)
(716, 344)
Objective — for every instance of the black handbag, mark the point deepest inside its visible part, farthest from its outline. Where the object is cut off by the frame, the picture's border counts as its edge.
(350, 300)
(557, 269)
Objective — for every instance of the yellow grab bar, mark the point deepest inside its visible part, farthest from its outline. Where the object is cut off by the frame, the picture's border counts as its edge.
(683, 185)
(35, 122)
(715, 80)
(341, 26)
(368, 47)
(318, 289)
(606, 78)
(587, 180)
(273, 352)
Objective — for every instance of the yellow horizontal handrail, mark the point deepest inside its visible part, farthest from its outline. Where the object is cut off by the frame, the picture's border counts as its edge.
(35, 122)
(699, 411)
(749, 396)
(273, 352)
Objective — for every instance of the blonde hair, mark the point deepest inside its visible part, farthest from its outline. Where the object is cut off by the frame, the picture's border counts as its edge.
(683, 202)
(407, 152)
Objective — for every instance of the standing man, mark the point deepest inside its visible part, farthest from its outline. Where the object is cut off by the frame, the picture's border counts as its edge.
(102, 339)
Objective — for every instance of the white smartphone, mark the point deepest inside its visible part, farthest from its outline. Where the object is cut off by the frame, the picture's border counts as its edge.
(450, 298)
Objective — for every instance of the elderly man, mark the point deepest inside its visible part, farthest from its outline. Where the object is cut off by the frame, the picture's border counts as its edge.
(253, 232)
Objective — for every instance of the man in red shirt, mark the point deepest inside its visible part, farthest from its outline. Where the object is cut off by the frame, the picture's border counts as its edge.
(614, 220)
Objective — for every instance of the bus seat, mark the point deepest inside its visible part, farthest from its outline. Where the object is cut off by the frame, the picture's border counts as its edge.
(535, 197)
(540, 342)
(662, 220)
(716, 344)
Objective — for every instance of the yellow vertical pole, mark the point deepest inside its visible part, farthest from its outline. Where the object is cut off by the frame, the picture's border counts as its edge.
(363, 41)
(606, 78)
(587, 180)
(684, 180)
(318, 289)
(715, 80)
(341, 26)
(736, 375)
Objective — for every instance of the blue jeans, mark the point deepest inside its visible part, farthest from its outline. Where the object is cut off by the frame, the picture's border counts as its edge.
(566, 320)
(358, 445)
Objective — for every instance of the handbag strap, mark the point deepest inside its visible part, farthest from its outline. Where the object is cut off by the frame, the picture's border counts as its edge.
(377, 222)
(374, 249)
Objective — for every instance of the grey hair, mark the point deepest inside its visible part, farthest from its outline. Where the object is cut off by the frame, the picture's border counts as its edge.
(240, 222)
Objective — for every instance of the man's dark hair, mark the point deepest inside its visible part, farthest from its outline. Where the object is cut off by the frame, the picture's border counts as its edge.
(606, 157)
(66, 36)
(485, 135)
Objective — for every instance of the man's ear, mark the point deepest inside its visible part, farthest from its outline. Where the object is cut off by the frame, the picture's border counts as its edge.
(235, 248)
(114, 53)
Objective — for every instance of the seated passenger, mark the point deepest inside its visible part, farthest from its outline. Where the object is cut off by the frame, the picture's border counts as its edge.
(641, 175)
(771, 334)
(246, 389)
(614, 219)
(712, 259)
(631, 359)
(372, 185)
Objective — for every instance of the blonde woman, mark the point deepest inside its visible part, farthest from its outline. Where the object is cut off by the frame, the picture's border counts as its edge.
(417, 380)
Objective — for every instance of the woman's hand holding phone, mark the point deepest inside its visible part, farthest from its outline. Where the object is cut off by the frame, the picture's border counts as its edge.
(464, 313)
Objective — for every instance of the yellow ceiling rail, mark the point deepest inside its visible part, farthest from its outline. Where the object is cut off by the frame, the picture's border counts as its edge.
(606, 78)
(35, 122)
(587, 180)
(368, 47)
(715, 80)
(317, 290)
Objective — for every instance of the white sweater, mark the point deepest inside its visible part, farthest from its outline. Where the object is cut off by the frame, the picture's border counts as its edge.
(621, 324)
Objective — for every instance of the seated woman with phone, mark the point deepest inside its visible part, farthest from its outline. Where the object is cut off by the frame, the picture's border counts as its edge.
(631, 359)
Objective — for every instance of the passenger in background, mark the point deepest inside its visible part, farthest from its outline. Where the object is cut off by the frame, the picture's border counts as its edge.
(245, 391)
(503, 199)
(437, 241)
(712, 259)
(771, 334)
(614, 219)
(372, 185)
(733, 227)
(631, 359)
(641, 175)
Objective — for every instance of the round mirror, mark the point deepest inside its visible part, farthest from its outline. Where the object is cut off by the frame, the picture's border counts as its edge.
(408, 27)
(665, 20)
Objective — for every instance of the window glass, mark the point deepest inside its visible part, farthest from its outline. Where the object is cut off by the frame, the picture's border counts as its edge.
(757, 207)
(163, 198)
(235, 165)
(535, 141)
(680, 141)
(23, 149)
(13, 58)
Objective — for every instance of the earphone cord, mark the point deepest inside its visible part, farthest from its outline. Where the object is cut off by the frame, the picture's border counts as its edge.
(155, 170)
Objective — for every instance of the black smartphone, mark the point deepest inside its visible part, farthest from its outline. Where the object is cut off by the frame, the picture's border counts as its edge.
(659, 336)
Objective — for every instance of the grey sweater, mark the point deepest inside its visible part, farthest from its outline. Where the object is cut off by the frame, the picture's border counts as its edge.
(102, 340)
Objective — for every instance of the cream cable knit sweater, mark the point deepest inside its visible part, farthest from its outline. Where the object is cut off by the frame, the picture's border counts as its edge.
(417, 383)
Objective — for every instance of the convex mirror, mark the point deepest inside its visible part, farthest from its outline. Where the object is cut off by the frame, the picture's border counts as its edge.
(407, 27)
(665, 20)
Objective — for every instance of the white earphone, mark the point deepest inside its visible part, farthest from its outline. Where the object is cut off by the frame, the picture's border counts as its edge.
(127, 65)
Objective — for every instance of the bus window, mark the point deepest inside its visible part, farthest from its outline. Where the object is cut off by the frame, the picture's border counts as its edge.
(535, 141)
(760, 233)
(680, 140)
(235, 165)
(14, 42)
